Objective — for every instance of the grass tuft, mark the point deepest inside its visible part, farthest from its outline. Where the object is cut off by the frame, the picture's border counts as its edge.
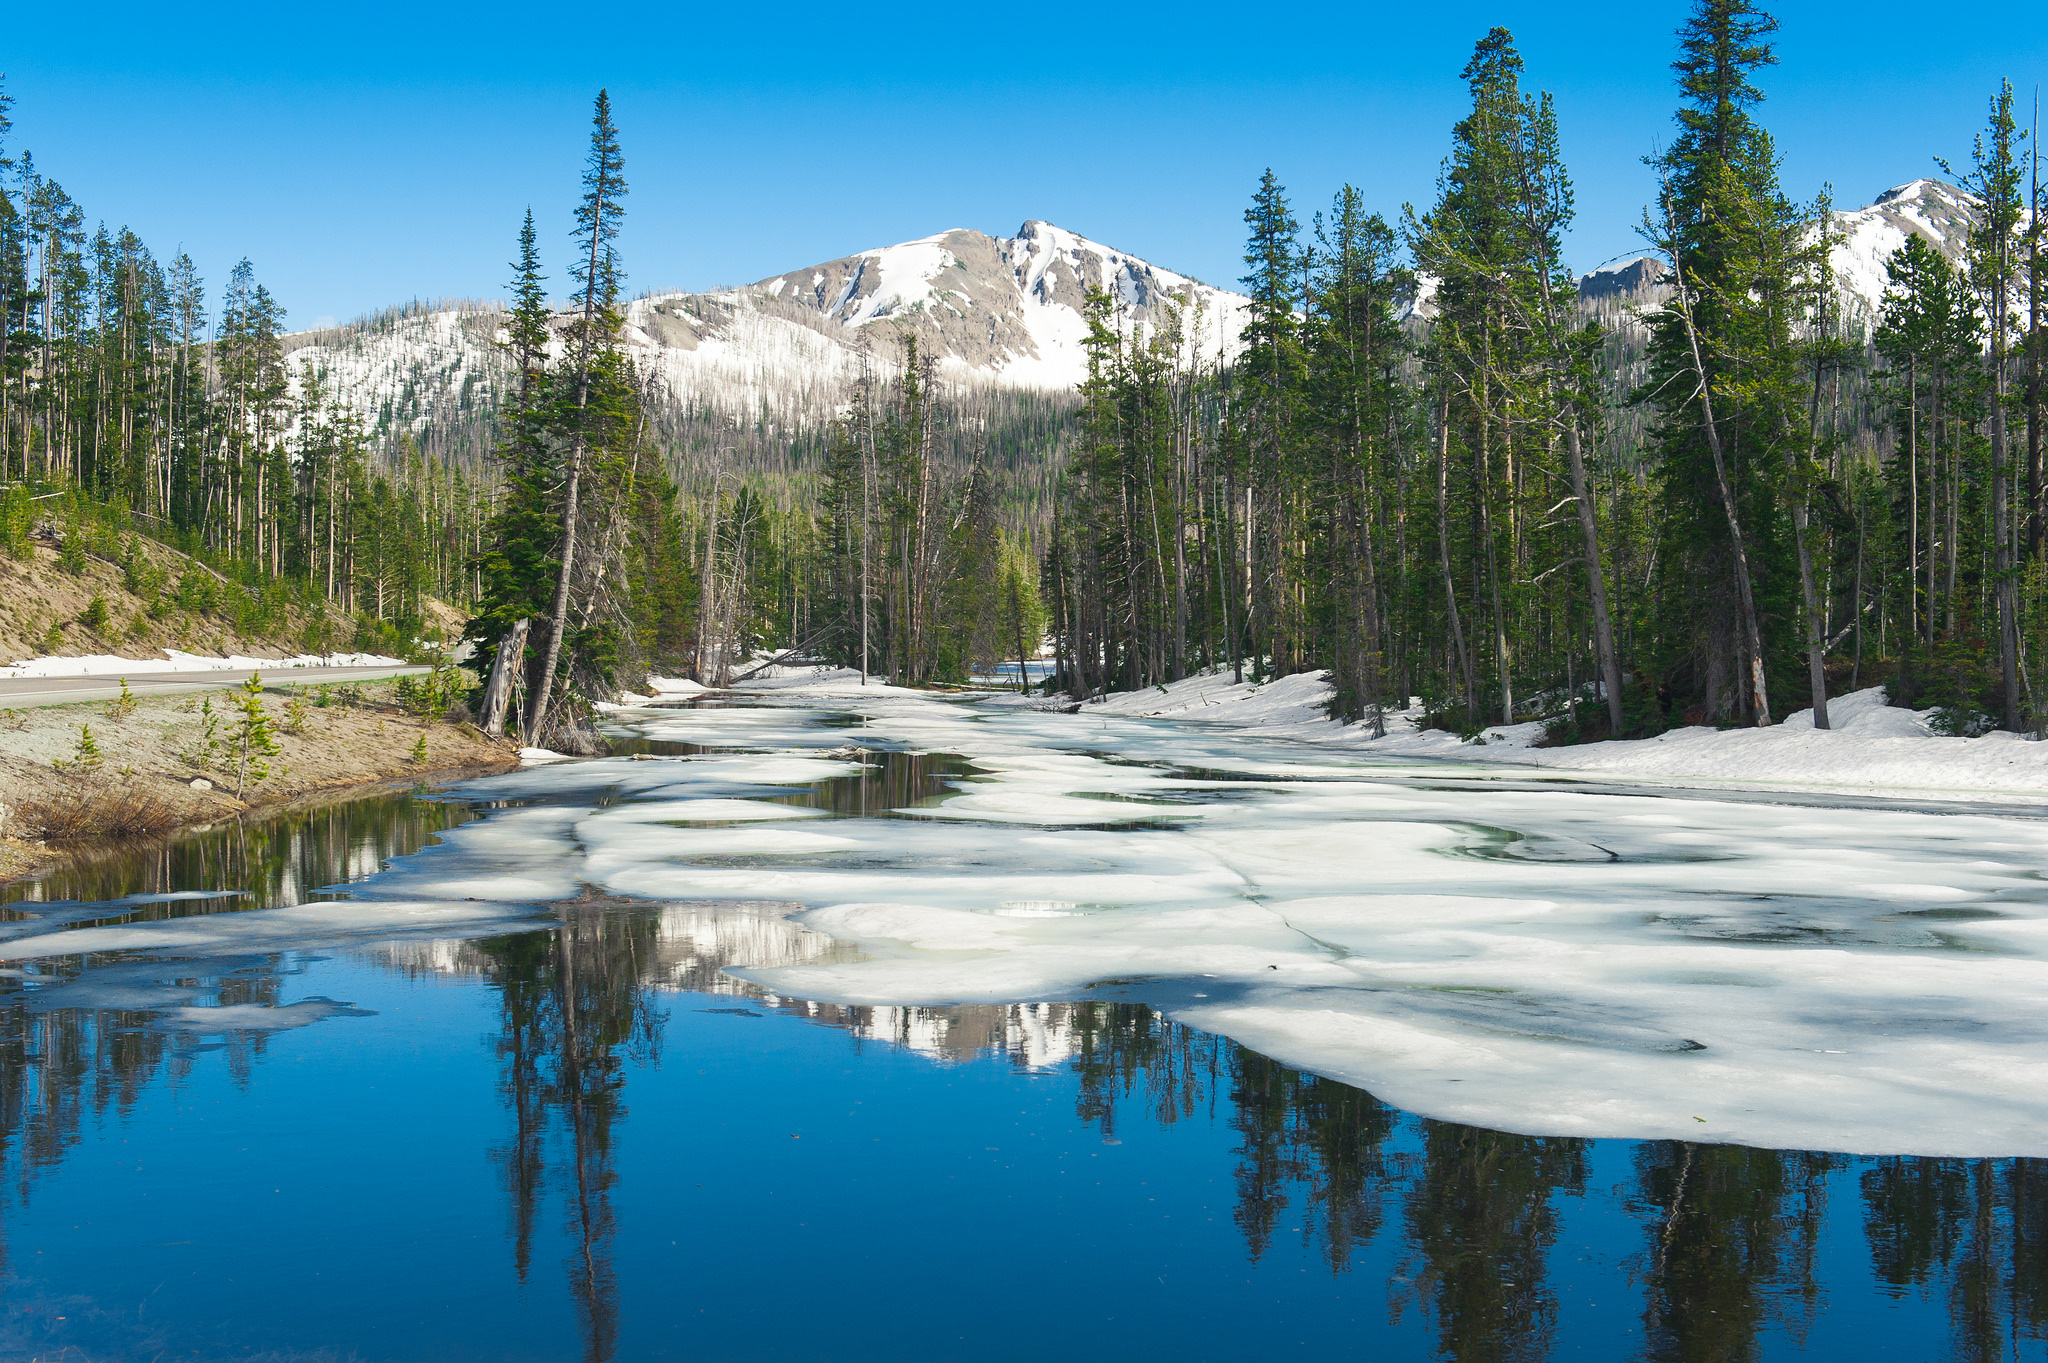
(94, 812)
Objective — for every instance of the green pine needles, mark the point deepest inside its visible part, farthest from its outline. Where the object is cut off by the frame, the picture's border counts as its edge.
(253, 739)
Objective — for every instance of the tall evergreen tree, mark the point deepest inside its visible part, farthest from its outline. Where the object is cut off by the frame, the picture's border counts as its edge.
(596, 365)
(1270, 377)
(1723, 368)
(1995, 179)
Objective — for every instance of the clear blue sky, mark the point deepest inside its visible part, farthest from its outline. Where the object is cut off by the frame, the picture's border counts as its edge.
(365, 154)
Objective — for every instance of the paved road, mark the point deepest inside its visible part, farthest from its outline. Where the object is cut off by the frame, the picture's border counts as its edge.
(25, 692)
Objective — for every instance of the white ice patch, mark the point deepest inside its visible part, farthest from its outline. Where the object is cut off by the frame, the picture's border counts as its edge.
(1582, 963)
(295, 925)
(253, 1017)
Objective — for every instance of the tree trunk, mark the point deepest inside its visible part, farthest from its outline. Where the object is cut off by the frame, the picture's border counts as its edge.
(1745, 595)
(538, 695)
(1443, 544)
(2001, 527)
(498, 690)
(1816, 668)
(1596, 580)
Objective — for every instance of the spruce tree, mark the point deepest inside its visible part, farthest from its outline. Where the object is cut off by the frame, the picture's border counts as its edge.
(1723, 372)
(528, 329)
(594, 364)
(1355, 350)
(1994, 250)
(1270, 378)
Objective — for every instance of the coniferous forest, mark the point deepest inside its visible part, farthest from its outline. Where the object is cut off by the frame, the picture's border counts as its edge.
(1433, 470)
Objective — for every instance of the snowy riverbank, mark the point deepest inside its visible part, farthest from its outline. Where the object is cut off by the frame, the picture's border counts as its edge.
(1873, 748)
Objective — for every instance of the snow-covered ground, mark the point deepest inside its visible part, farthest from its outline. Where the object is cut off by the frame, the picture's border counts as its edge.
(109, 665)
(1872, 749)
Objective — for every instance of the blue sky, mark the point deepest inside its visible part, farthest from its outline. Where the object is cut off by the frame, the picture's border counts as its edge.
(365, 154)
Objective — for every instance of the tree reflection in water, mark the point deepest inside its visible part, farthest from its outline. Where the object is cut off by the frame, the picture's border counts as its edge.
(1723, 1246)
(1975, 1231)
(1731, 1248)
(575, 1010)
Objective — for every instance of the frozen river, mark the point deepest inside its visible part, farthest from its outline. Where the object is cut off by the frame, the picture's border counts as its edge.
(954, 1029)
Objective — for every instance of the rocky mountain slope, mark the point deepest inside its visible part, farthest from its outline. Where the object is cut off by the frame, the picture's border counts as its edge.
(1866, 239)
(1000, 313)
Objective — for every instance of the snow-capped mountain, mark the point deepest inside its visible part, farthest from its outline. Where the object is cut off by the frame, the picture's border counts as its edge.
(1000, 311)
(1005, 310)
(1932, 209)
(1865, 241)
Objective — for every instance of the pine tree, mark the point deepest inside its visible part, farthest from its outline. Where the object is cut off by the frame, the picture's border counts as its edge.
(1995, 180)
(528, 324)
(1723, 367)
(1355, 350)
(1270, 375)
(1509, 370)
(596, 367)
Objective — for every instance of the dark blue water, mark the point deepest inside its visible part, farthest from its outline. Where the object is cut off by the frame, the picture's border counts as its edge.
(583, 1141)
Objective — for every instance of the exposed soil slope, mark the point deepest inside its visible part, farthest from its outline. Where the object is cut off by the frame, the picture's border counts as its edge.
(150, 756)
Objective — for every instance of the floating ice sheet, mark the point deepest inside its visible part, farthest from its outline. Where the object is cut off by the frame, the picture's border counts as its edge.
(295, 925)
(1563, 962)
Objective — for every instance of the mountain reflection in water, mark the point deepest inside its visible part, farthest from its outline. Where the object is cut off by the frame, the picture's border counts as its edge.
(1712, 1251)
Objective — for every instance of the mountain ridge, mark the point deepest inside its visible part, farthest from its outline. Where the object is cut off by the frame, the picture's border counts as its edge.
(995, 312)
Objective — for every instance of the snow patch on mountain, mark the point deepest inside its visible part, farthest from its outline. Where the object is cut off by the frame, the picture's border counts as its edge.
(1001, 311)
(1938, 212)
(1006, 312)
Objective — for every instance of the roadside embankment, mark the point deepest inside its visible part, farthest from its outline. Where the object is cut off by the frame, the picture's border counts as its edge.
(77, 776)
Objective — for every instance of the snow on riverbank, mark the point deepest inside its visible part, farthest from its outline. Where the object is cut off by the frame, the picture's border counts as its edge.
(176, 660)
(1873, 748)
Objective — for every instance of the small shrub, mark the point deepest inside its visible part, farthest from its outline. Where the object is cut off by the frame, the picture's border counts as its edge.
(1961, 721)
(138, 627)
(254, 737)
(318, 636)
(94, 617)
(432, 694)
(419, 749)
(134, 566)
(71, 554)
(295, 714)
(200, 756)
(17, 514)
(85, 754)
(123, 706)
(197, 591)
(53, 639)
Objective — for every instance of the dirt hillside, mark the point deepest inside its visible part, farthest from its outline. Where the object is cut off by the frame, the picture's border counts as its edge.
(78, 774)
(152, 598)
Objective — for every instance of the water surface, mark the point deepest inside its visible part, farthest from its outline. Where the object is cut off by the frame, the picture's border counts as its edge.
(576, 1132)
